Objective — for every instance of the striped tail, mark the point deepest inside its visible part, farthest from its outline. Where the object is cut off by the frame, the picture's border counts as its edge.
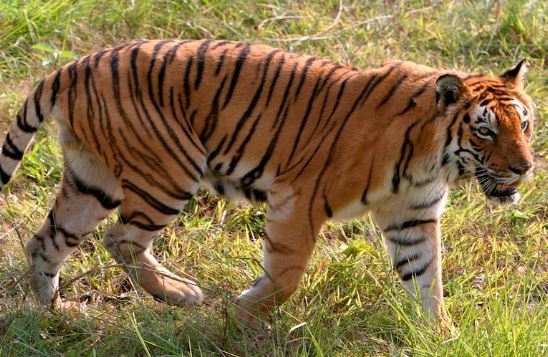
(37, 106)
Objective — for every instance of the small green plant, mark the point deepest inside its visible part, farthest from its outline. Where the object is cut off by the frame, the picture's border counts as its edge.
(50, 56)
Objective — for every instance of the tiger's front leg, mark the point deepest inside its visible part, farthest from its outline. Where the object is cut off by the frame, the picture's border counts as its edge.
(413, 240)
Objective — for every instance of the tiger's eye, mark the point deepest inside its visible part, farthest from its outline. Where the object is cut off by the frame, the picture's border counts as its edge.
(524, 125)
(484, 131)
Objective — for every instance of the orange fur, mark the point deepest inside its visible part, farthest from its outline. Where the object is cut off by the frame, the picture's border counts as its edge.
(145, 124)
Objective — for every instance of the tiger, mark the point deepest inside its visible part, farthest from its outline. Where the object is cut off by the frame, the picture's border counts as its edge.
(145, 125)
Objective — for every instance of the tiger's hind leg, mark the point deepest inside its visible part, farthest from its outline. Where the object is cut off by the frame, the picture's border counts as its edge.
(291, 232)
(129, 241)
(89, 193)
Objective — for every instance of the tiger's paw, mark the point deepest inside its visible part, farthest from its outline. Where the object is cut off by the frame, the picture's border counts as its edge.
(447, 328)
(44, 286)
(249, 315)
(180, 292)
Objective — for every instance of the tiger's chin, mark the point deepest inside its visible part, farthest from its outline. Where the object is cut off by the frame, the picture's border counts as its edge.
(505, 200)
(499, 193)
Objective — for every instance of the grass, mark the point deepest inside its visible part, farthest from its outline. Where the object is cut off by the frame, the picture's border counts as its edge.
(495, 267)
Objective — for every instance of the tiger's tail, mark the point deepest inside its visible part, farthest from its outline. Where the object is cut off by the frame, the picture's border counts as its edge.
(35, 110)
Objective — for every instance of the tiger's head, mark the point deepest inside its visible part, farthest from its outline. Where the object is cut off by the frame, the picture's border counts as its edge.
(490, 126)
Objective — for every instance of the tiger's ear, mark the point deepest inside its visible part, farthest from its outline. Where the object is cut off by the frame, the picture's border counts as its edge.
(449, 89)
(513, 78)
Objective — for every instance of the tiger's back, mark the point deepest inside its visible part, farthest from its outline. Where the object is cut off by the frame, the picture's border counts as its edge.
(143, 125)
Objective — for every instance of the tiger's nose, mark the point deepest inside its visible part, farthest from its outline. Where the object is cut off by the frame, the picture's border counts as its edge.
(523, 167)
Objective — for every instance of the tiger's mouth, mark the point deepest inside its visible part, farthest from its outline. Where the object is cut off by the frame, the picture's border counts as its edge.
(493, 188)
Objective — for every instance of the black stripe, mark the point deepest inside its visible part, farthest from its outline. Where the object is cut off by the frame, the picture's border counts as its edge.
(327, 97)
(105, 126)
(391, 91)
(304, 120)
(176, 192)
(11, 150)
(286, 92)
(304, 73)
(241, 149)
(236, 73)
(220, 62)
(89, 104)
(200, 62)
(473, 154)
(406, 241)
(121, 109)
(324, 138)
(72, 241)
(37, 97)
(151, 227)
(104, 199)
(304, 161)
(412, 104)
(428, 204)
(152, 122)
(42, 244)
(449, 137)
(136, 91)
(22, 124)
(155, 51)
(192, 119)
(59, 229)
(49, 275)
(342, 88)
(485, 102)
(237, 157)
(218, 44)
(135, 214)
(186, 82)
(409, 224)
(375, 81)
(327, 77)
(186, 123)
(406, 143)
(168, 128)
(326, 207)
(257, 172)
(275, 79)
(415, 273)
(213, 116)
(4, 176)
(151, 161)
(55, 87)
(126, 241)
(217, 150)
(406, 260)
(168, 57)
(360, 99)
(53, 228)
(247, 114)
(72, 91)
(153, 202)
(147, 227)
(366, 189)
(98, 56)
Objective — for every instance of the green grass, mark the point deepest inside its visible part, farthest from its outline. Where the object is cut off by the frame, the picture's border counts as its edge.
(495, 267)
